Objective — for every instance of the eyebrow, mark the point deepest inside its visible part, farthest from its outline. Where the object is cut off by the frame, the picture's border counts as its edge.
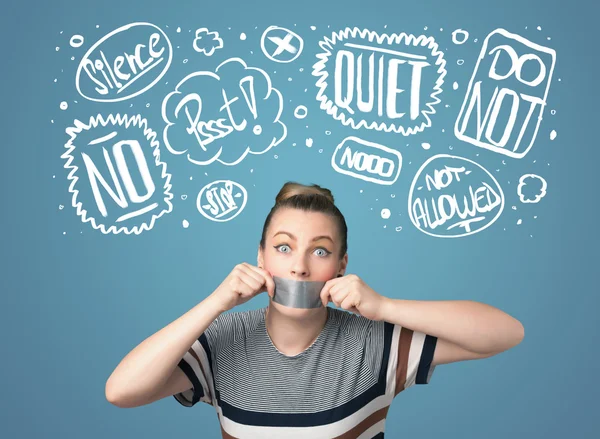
(316, 238)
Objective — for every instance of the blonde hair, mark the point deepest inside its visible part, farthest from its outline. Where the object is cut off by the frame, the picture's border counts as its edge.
(311, 198)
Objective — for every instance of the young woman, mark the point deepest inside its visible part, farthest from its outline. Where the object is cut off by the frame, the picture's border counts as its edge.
(297, 372)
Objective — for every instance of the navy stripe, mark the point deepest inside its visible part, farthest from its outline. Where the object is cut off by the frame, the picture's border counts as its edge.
(204, 342)
(198, 390)
(325, 417)
(319, 418)
(387, 345)
(426, 359)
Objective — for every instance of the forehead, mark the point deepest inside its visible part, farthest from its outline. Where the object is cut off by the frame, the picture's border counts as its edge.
(301, 223)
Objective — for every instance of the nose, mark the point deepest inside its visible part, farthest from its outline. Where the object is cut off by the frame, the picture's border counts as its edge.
(300, 268)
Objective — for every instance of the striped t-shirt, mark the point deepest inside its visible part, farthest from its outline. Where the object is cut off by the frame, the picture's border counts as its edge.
(341, 386)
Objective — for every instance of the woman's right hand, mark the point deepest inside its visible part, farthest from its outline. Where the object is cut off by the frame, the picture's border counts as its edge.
(243, 283)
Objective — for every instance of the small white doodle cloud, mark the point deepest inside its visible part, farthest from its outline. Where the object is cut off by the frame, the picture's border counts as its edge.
(207, 42)
(523, 182)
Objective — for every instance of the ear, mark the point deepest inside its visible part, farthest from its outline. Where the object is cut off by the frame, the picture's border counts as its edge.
(343, 264)
(259, 258)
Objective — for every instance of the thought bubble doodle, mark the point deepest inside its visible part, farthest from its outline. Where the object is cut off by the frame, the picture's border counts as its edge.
(450, 193)
(510, 84)
(382, 82)
(223, 116)
(527, 180)
(207, 42)
(124, 63)
(221, 200)
(116, 174)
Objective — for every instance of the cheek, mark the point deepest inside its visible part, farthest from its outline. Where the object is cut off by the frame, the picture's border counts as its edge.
(328, 271)
(273, 265)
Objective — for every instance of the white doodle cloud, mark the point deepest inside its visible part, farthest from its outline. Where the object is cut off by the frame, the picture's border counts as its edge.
(207, 42)
(523, 182)
(264, 125)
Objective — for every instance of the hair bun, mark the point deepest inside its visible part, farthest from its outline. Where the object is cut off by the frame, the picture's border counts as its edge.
(291, 189)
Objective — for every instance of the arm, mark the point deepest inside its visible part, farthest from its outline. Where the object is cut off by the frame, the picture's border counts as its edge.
(465, 329)
(142, 374)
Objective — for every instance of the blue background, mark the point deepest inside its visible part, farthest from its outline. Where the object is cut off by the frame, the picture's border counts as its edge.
(75, 304)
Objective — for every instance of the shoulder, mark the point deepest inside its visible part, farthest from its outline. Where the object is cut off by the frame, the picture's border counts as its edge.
(353, 324)
(236, 323)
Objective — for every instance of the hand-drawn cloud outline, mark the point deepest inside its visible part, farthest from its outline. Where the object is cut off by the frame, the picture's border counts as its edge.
(328, 105)
(207, 50)
(126, 121)
(523, 183)
(270, 89)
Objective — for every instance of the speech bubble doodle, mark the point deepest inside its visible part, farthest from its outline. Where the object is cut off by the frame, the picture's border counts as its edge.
(523, 181)
(403, 78)
(223, 116)
(285, 46)
(367, 161)
(221, 200)
(116, 153)
(502, 87)
(450, 192)
(207, 42)
(114, 64)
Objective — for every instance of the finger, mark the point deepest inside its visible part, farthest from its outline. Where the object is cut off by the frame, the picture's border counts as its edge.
(251, 283)
(248, 269)
(266, 278)
(348, 303)
(324, 294)
(324, 298)
(334, 286)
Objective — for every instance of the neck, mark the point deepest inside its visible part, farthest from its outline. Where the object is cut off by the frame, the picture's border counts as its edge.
(293, 335)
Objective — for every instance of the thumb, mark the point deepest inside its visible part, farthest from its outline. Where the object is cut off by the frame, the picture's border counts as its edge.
(271, 285)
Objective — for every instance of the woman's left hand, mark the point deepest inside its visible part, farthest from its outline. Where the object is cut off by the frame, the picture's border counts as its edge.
(351, 293)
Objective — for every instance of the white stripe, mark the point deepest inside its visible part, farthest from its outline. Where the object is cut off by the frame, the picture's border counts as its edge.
(189, 358)
(369, 433)
(393, 362)
(414, 356)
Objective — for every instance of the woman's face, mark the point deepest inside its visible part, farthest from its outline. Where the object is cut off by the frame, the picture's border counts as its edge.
(302, 245)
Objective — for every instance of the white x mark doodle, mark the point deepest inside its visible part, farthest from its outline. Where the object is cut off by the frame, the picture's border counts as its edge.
(283, 44)
(291, 43)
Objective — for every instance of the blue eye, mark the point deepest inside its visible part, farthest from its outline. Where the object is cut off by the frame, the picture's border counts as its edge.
(326, 252)
(282, 245)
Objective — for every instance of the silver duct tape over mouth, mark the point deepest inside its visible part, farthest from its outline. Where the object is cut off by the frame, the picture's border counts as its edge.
(297, 293)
